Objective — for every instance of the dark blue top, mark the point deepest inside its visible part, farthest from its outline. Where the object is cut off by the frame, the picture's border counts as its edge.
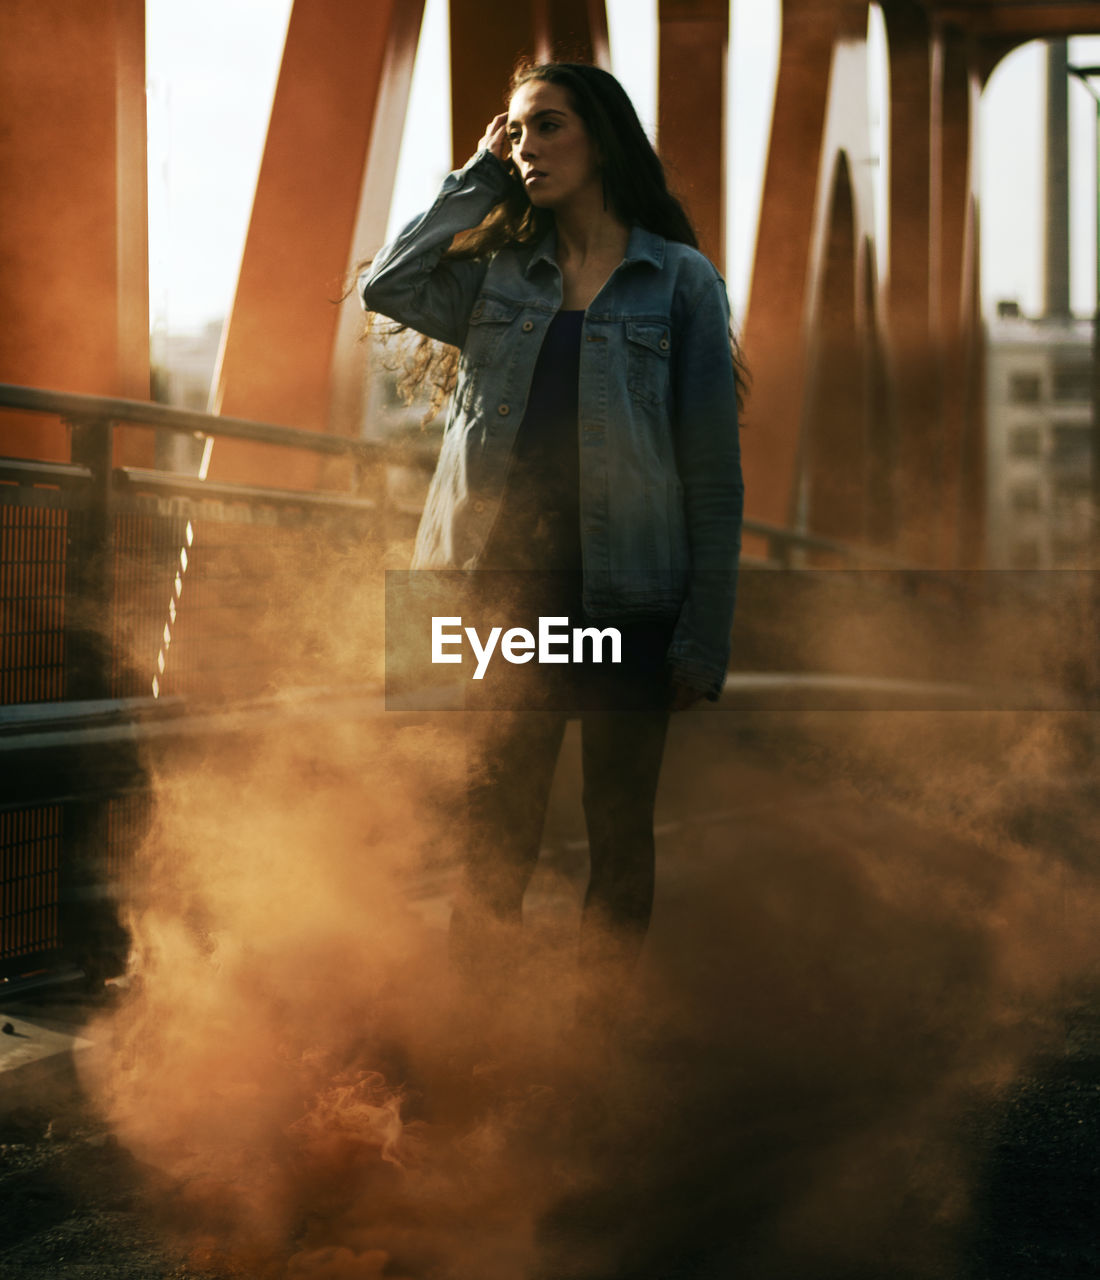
(538, 526)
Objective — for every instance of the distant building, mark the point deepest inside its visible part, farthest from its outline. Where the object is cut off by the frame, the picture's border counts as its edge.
(184, 363)
(1039, 434)
(182, 373)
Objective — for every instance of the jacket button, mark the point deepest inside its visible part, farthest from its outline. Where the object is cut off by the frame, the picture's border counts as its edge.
(663, 344)
(503, 410)
(528, 325)
(477, 310)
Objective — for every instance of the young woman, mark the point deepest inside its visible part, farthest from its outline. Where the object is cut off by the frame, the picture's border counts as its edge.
(591, 450)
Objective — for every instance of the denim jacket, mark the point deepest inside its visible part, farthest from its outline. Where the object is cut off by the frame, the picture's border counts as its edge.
(661, 491)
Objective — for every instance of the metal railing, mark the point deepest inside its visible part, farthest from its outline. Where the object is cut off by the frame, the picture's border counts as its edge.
(96, 557)
(138, 604)
(129, 597)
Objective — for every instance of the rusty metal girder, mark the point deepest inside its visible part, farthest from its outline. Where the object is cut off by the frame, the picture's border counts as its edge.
(325, 179)
(1021, 19)
(488, 39)
(691, 111)
(74, 277)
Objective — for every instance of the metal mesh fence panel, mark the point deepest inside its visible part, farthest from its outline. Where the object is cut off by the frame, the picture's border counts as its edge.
(200, 599)
(30, 861)
(32, 603)
(220, 606)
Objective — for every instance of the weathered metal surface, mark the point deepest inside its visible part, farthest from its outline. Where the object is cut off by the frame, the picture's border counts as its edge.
(73, 241)
(691, 120)
(330, 139)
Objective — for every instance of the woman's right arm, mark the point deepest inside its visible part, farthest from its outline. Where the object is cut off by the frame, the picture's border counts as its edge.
(410, 280)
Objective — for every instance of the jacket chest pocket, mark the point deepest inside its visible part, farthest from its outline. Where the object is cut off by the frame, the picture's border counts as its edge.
(648, 345)
(490, 322)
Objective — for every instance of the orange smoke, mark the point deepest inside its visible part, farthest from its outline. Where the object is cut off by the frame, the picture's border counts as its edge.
(865, 924)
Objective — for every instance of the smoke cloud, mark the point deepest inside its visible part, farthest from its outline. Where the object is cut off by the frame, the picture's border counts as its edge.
(867, 922)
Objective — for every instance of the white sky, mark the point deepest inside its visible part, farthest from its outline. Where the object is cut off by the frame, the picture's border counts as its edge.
(212, 66)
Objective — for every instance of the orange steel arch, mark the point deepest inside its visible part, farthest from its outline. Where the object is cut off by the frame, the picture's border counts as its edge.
(820, 111)
(925, 470)
(74, 261)
(487, 40)
(328, 168)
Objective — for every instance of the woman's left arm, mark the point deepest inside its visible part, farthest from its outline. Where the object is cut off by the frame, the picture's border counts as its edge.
(708, 456)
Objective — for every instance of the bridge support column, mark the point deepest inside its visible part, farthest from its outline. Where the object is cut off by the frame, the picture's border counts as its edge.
(691, 116)
(962, 520)
(805, 239)
(322, 198)
(913, 299)
(487, 38)
(74, 282)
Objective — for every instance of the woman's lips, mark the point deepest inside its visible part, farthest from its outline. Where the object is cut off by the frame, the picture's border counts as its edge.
(533, 176)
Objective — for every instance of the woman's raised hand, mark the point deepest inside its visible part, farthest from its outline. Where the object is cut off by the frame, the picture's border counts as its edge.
(495, 138)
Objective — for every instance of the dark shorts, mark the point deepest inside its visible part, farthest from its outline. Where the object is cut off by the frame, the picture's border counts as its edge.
(637, 682)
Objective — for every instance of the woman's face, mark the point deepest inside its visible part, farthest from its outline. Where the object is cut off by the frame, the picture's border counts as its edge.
(551, 148)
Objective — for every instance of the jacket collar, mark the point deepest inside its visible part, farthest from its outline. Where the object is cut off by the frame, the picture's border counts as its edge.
(643, 246)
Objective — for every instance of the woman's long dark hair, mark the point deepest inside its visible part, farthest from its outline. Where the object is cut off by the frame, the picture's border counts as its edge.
(635, 189)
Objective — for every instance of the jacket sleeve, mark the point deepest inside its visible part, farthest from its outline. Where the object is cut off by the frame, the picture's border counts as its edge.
(410, 281)
(708, 457)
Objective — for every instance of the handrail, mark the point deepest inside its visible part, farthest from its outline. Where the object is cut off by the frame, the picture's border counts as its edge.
(145, 413)
(779, 537)
(142, 479)
(27, 472)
